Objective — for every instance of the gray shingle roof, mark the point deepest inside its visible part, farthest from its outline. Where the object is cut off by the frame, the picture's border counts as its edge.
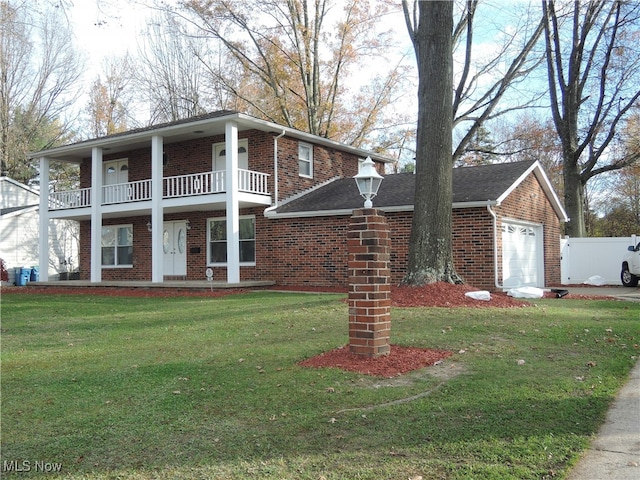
(470, 184)
(7, 211)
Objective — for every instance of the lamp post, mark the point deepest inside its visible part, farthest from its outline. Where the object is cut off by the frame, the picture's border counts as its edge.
(368, 245)
(368, 181)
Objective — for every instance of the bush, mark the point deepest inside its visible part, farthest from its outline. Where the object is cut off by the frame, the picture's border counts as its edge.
(4, 274)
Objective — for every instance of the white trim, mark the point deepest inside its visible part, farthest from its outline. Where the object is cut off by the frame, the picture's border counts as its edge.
(347, 211)
(233, 207)
(43, 227)
(96, 215)
(157, 209)
(78, 150)
(537, 170)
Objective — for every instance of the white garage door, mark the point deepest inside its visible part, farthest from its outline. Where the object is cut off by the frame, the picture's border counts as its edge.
(522, 255)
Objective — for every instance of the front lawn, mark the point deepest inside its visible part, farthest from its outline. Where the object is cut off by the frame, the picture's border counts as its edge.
(193, 388)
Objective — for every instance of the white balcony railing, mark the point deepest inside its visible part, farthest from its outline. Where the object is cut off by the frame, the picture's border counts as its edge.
(252, 182)
(126, 192)
(70, 199)
(173, 187)
(194, 184)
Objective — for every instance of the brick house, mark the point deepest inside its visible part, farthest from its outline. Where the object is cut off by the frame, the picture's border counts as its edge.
(168, 202)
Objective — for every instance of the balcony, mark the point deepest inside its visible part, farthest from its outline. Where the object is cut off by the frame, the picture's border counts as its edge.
(179, 186)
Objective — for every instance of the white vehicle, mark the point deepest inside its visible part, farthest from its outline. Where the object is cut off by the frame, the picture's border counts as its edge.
(631, 267)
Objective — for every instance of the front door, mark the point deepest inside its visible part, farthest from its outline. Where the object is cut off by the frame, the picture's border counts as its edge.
(174, 246)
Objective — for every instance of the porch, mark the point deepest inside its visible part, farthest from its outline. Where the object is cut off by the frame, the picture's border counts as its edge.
(81, 285)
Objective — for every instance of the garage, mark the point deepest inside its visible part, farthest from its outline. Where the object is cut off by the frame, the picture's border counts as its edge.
(522, 254)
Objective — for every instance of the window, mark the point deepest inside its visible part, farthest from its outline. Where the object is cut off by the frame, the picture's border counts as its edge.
(305, 160)
(217, 251)
(117, 246)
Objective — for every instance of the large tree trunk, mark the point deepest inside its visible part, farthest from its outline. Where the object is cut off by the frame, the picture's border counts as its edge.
(573, 200)
(430, 252)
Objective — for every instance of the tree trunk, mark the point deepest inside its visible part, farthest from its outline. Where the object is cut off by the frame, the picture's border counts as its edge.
(573, 199)
(430, 252)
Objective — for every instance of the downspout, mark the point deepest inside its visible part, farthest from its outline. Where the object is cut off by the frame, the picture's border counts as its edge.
(275, 173)
(495, 246)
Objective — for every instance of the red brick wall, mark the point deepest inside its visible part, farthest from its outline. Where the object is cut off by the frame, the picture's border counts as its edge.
(196, 156)
(312, 251)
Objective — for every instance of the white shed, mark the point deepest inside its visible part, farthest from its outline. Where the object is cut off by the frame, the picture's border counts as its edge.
(19, 232)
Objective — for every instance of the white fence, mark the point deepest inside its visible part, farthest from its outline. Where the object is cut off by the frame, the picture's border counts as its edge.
(583, 258)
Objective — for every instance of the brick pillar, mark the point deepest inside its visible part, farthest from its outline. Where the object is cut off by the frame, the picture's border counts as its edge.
(368, 246)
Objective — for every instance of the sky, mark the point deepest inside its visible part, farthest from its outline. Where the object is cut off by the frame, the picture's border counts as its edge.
(106, 27)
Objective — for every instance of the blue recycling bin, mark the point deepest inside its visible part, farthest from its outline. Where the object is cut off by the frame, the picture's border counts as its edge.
(22, 276)
(34, 275)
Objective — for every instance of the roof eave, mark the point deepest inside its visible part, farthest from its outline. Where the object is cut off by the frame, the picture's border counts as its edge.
(167, 130)
(347, 211)
(538, 171)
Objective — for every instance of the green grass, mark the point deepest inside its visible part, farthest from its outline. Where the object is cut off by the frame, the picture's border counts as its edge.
(193, 388)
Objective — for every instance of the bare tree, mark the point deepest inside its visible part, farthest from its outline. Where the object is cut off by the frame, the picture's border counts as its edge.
(298, 61)
(593, 66)
(484, 80)
(38, 72)
(173, 72)
(110, 97)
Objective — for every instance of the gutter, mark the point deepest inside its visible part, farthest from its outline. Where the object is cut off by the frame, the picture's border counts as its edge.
(275, 173)
(495, 245)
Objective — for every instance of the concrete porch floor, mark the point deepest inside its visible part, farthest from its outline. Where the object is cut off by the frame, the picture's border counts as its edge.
(181, 284)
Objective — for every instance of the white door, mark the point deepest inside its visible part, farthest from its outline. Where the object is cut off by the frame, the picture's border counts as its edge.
(174, 247)
(220, 156)
(115, 178)
(220, 163)
(522, 257)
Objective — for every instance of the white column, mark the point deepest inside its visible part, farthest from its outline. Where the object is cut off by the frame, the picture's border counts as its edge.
(233, 210)
(43, 237)
(157, 213)
(96, 215)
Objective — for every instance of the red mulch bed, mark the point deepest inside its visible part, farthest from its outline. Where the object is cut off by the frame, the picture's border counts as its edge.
(400, 360)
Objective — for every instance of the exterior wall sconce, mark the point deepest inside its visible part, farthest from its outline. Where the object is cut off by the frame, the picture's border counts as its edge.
(188, 225)
(149, 226)
(368, 181)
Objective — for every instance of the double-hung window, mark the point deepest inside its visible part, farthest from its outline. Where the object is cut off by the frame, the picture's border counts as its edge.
(217, 240)
(305, 160)
(117, 246)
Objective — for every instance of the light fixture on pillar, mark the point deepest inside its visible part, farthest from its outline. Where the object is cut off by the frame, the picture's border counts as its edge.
(368, 181)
